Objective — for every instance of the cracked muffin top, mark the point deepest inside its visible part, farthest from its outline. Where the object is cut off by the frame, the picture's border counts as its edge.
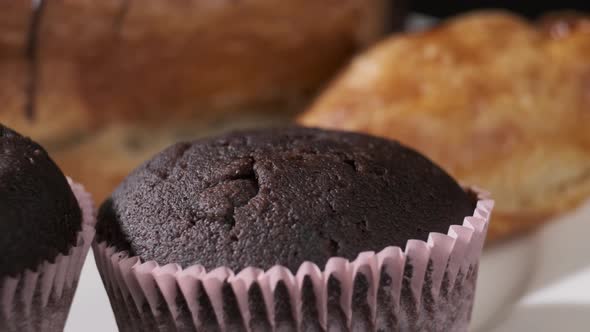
(280, 196)
(39, 214)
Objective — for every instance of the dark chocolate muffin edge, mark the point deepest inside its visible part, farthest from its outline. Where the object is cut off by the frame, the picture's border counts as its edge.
(39, 214)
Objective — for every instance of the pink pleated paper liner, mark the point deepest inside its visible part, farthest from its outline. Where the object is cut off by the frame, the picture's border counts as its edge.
(40, 300)
(427, 287)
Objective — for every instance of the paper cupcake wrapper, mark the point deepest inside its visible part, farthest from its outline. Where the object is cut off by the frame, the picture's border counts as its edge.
(427, 287)
(40, 300)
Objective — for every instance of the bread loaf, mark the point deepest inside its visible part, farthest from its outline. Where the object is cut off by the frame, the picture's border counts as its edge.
(73, 72)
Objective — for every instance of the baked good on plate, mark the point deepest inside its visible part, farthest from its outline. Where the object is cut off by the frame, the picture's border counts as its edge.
(495, 99)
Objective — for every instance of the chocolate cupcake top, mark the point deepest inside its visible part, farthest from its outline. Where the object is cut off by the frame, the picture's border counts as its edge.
(39, 214)
(282, 196)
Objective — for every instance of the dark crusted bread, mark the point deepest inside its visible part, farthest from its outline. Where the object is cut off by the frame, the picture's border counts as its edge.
(283, 196)
(39, 214)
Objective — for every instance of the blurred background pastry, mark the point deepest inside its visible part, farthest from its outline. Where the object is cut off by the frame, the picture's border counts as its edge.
(104, 84)
(496, 100)
(123, 61)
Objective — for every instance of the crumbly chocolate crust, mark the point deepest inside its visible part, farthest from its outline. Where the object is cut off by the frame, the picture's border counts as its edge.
(281, 196)
(39, 214)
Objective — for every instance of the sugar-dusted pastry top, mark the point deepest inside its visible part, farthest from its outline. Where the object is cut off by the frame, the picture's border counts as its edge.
(494, 99)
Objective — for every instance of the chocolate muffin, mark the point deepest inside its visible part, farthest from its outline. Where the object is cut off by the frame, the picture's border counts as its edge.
(291, 229)
(39, 214)
(282, 196)
(46, 229)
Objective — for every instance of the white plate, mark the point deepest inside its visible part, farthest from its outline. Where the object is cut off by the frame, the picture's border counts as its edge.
(536, 283)
(504, 273)
(558, 293)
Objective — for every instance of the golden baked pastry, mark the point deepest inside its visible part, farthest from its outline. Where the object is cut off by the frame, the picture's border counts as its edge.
(114, 61)
(82, 76)
(498, 101)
